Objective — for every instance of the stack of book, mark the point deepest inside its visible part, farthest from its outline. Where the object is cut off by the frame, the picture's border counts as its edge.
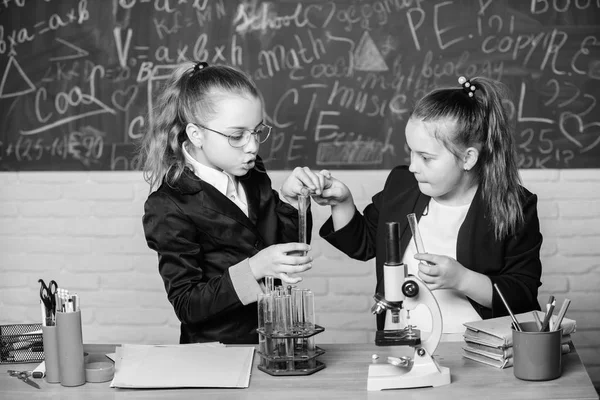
(489, 341)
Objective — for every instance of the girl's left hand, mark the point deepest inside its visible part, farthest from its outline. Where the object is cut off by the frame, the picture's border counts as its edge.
(440, 272)
(301, 179)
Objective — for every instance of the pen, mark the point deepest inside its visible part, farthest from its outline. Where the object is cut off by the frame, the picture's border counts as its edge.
(22, 345)
(548, 316)
(550, 301)
(43, 309)
(515, 322)
(537, 320)
(39, 371)
(18, 357)
(561, 313)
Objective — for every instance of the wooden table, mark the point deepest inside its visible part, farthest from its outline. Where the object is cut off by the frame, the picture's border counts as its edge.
(345, 377)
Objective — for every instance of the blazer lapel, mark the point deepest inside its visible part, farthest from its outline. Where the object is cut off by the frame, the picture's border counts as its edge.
(208, 196)
(253, 199)
(475, 225)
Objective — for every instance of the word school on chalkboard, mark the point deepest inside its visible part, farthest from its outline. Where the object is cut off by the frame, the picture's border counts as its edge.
(339, 78)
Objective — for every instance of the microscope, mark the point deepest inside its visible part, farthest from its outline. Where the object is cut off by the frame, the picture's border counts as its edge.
(404, 291)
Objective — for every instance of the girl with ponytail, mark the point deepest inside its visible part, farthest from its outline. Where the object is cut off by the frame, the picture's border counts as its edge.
(212, 217)
(479, 225)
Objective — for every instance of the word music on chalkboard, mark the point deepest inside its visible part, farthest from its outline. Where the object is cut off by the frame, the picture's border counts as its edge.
(338, 78)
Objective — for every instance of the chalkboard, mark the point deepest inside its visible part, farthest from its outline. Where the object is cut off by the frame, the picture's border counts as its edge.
(338, 78)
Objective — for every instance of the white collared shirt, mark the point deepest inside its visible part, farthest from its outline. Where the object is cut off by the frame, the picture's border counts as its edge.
(242, 278)
(220, 180)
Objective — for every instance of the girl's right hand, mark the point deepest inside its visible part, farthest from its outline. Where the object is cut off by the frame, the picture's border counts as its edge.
(280, 261)
(334, 192)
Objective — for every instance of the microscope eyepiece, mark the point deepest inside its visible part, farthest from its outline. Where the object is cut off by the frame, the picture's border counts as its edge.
(392, 243)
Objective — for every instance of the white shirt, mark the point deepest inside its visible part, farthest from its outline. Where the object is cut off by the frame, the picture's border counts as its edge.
(220, 180)
(439, 231)
(242, 278)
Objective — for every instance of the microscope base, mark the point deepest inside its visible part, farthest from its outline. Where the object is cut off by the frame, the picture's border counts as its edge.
(424, 372)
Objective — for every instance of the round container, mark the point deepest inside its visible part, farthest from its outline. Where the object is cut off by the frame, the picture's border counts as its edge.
(99, 368)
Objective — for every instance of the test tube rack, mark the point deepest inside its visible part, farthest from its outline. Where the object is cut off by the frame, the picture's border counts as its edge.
(286, 330)
(286, 354)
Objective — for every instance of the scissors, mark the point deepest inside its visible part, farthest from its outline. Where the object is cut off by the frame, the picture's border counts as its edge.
(24, 376)
(48, 295)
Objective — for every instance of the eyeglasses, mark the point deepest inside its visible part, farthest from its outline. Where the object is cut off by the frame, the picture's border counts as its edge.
(241, 138)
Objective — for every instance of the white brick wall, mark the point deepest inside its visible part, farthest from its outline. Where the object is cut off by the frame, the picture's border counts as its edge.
(84, 230)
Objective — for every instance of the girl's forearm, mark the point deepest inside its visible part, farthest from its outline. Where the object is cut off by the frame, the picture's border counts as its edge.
(342, 213)
(478, 287)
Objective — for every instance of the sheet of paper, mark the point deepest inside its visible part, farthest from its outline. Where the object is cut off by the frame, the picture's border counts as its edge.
(112, 356)
(188, 365)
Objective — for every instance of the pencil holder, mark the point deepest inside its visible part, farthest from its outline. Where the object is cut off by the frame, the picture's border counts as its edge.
(70, 348)
(537, 355)
(50, 337)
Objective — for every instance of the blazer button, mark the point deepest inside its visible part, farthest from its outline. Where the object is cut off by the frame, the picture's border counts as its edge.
(257, 245)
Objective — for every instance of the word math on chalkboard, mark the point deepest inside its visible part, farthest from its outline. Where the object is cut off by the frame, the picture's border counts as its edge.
(338, 78)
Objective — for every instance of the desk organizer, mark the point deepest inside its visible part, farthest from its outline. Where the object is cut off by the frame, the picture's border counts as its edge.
(286, 330)
(21, 343)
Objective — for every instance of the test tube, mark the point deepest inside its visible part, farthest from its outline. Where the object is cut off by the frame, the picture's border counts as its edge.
(308, 306)
(269, 284)
(283, 326)
(303, 202)
(297, 310)
(265, 312)
(265, 326)
(283, 313)
(414, 227)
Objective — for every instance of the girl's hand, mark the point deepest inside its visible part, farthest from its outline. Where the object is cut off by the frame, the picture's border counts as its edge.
(333, 193)
(303, 181)
(440, 272)
(279, 261)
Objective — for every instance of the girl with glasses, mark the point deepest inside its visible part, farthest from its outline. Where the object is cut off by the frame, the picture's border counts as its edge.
(217, 225)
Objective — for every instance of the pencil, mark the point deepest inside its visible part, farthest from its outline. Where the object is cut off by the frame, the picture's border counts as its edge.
(515, 322)
(561, 313)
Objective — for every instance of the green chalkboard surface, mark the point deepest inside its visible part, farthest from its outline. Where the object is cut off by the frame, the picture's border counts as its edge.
(339, 78)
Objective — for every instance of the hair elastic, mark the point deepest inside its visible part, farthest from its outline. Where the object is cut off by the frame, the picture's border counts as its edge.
(200, 65)
(467, 86)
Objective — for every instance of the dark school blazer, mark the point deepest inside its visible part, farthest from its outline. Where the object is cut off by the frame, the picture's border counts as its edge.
(513, 262)
(198, 234)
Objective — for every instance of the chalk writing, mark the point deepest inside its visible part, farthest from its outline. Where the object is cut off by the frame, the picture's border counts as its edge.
(338, 79)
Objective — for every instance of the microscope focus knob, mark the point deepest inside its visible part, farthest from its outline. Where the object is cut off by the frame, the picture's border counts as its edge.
(377, 308)
(410, 288)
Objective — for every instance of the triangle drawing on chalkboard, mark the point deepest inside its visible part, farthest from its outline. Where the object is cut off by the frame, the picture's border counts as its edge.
(367, 57)
(22, 78)
(76, 53)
